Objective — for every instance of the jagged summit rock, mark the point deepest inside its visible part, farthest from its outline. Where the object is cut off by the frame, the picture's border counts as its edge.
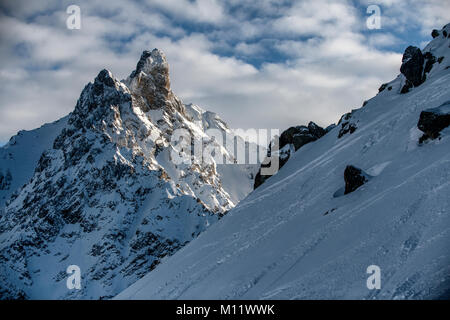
(150, 83)
(152, 62)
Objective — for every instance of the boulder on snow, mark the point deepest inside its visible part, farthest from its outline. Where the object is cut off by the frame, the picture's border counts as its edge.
(354, 178)
(435, 33)
(412, 65)
(301, 135)
(415, 66)
(433, 121)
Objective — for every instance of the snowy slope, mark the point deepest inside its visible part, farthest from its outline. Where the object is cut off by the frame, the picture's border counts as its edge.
(292, 239)
(104, 192)
(21, 154)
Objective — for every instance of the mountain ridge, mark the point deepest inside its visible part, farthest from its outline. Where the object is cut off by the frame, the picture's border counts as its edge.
(107, 193)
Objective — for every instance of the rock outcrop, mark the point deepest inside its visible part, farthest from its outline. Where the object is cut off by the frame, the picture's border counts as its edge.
(415, 67)
(433, 121)
(290, 141)
(347, 125)
(354, 178)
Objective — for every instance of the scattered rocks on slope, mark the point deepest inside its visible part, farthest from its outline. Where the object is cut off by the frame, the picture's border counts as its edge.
(354, 178)
(291, 139)
(433, 121)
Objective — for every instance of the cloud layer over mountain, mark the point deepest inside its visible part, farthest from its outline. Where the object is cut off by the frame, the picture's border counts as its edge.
(259, 64)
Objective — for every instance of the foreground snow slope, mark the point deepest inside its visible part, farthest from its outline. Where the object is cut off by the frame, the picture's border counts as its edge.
(279, 243)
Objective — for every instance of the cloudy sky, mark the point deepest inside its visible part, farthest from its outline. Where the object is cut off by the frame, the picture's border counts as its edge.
(258, 64)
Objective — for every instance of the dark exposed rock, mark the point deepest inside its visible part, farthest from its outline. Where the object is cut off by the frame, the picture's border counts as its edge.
(412, 65)
(5, 180)
(407, 86)
(429, 61)
(347, 128)
(297, 137)
(435, 33)
(345, 117)
(354, 178)
(140, 65)
(346, 125)
(415, 67)
(433, 121)
(382, 87)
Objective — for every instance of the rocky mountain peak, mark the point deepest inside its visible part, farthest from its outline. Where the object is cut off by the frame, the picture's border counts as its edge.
(98, 99)
(150, 83)
(151, 62)
(109, 181)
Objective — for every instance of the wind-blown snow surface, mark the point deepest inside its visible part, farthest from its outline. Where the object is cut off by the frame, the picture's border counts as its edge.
(279, 243)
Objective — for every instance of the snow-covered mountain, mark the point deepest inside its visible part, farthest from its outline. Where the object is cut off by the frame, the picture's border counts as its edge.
(19, 157)
(111, 188)
(372, 191)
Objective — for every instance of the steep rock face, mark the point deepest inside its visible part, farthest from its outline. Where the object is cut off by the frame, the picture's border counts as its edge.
(290, 141)
(150, 83)
(110, 194)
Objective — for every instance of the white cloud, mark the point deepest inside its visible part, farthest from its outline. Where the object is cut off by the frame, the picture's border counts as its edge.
(209, 11)
(325, 68)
